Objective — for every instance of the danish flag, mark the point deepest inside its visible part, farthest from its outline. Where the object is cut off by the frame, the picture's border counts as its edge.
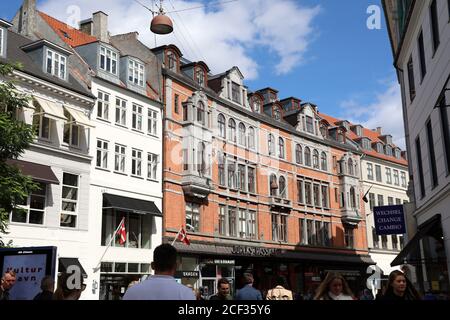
(182, 236)
(122, 232)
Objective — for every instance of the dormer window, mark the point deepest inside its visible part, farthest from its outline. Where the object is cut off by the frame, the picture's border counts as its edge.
(56, 64)
(341, 136)
(276, 113)
(388, 150)
(379, 148)
(235, 93)
(256, 105)
(397, 153)
(172, 61)
(309, 124)
(200, 76)
(366, 144)
(358, 131)
(108, 60)
(136, 73)
(324, 131)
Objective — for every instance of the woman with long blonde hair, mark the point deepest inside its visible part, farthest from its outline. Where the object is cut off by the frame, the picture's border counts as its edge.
(334, 287)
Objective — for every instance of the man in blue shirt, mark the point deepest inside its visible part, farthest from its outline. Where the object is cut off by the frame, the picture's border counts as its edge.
(161, 286)
(248, 292)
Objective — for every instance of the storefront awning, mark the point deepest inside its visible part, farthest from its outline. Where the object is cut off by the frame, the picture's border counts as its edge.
(111, 201)
(79, 117)
(65, 263)
(38, 172)
(411, 252)
(51, 109)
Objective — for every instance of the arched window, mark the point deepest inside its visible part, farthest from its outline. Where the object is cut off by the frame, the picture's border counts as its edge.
(353, 197)
(298, 154)
(281, 148)
(276, 113)
(307, 157)
(201, 159)
(251, 138)
(271, 144)
(256, 105)
(323, 160)
(172, 61)
(282, 187)
(273, 185)
(201, 113)
(351, 170)
(221, 123)
(232, 130)
(242, 134)
(316, 159)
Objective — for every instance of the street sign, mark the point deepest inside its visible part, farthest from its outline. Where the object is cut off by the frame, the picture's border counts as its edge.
(389, 220)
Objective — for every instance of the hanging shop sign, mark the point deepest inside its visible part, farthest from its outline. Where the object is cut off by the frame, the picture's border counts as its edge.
(389, 220)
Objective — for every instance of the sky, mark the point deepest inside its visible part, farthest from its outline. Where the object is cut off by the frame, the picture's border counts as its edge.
(318, 51)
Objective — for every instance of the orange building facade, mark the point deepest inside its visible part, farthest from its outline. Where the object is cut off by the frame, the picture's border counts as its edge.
(260, 184)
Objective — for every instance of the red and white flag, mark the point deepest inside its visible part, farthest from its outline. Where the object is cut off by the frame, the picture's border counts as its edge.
(182, 236)
(122, 232)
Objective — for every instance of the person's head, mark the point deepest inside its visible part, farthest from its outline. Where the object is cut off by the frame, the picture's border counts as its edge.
(68, 287)
(334, 283)
(248, 278)
(8, 280)
(223, 287)
(48, 284)
(281, 281)
(165, 259)
(397, 282)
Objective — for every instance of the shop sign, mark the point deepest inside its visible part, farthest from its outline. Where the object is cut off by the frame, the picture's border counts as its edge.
(187, 274)
(255, 251)
(219, 262)
(389, 220)
(316, 279)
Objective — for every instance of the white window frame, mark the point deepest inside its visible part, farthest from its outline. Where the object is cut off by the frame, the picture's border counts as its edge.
(403, 177)
(136, 162)
(103, 149)
(2, 41)
(388, 176)
(40, 127)
(70, 123)
(194, 210)
(396, 178)
(152, 122)
(27, 207)
(137, 116)
(103, 100)
(121, 107)
(136, 72)
(120, 152)
(251, 138)
(70, 213)
(110, 55)
(152, 166)
(57, 61)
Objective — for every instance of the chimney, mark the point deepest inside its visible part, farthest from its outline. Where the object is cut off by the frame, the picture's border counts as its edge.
(378, 130)
(27, 18)
(86, 26)
(100, 26)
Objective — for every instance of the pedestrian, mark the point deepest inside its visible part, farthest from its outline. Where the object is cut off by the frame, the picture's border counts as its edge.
(7, 282)
(279, 292)
(248, 292)
(399, 288)
(47, 287)
(366, 295)
(69, 288)
(334, 287)
(223, 290)
(162, 285)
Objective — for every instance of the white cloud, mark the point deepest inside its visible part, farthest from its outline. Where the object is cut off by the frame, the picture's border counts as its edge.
(223, 36)
(385, 112)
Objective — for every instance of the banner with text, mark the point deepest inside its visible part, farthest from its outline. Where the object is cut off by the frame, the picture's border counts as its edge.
(389, 220)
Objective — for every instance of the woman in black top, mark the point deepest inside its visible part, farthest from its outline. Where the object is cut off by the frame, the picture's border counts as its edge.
(399, 288)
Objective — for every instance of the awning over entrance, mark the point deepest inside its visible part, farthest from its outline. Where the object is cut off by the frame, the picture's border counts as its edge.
(411, 252)
(111, 201)
(38, 172)
(51, 109)
(80, 118)
(65, 263)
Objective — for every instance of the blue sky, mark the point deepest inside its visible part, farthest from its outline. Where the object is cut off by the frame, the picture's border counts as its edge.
(343, 67)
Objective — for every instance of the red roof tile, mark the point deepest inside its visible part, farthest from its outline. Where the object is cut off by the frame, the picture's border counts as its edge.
(372, 135)
(68, 34)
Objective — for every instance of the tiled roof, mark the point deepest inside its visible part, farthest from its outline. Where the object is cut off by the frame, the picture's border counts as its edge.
(68, 34)
(372, 135)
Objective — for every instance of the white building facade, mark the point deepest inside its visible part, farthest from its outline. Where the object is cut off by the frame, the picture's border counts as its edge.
(420, 38)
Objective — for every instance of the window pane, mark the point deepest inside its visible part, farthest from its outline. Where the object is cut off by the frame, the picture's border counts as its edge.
(70, 180)
(68, 221)
(69, 193)
(36, 217)
(19, 215)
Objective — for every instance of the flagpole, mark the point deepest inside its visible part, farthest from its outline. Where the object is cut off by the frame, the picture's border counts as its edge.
(176, 237)
(109, 245)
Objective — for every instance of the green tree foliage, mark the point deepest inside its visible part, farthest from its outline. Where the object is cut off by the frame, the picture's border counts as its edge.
(15, 137)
